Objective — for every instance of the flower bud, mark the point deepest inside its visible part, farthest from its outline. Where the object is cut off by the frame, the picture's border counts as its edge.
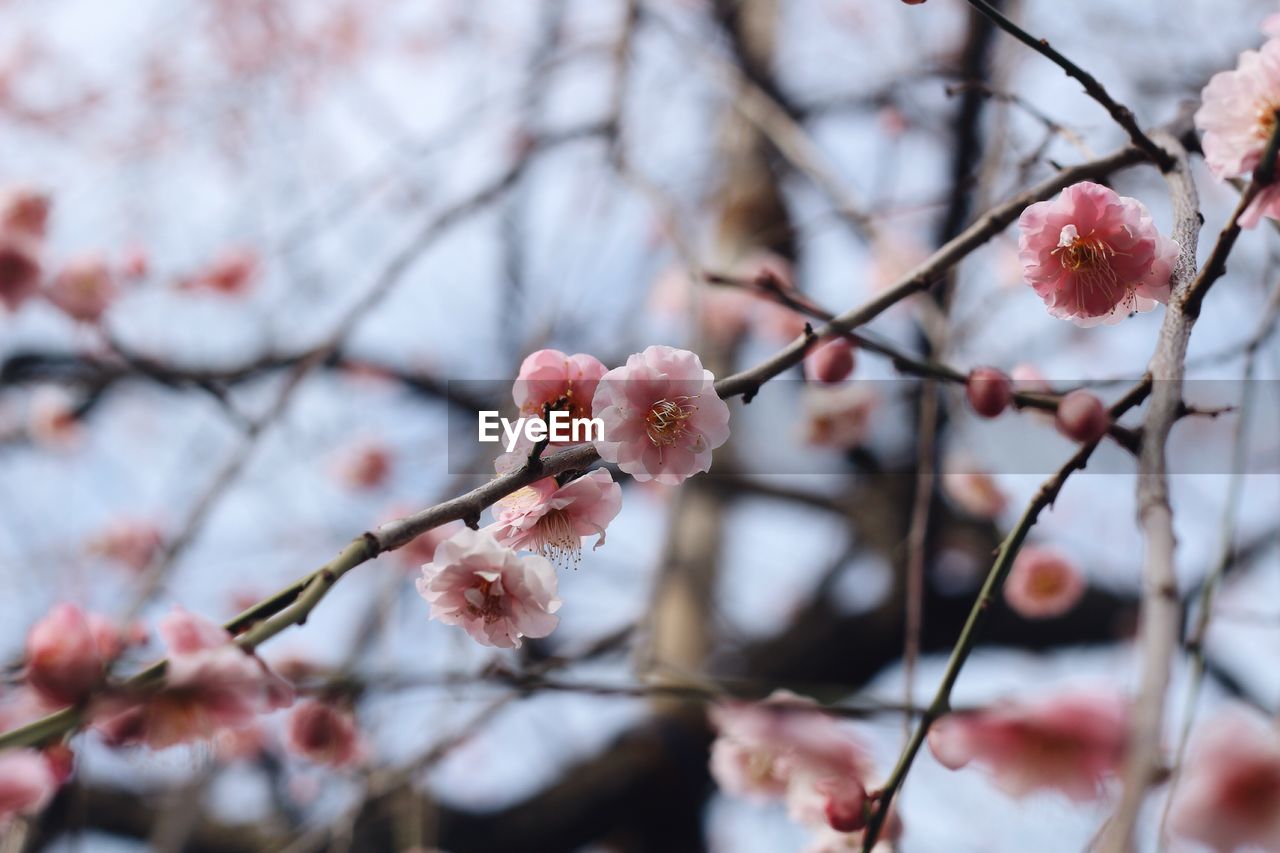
(830, 362)
(989, 391)
(1082, 417)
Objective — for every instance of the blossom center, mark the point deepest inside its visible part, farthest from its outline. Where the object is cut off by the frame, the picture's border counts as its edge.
(1089, 259)
(668, 420)
(555, 539)
(485, 600)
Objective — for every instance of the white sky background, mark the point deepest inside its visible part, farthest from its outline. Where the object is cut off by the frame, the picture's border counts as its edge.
(449, 75)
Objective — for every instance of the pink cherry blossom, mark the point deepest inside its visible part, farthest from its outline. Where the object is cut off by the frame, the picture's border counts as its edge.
(972, 490)
(786, 748)
(1070, 742)
(324, 734)
(662, 416)
(1236, 118)
(837, 417)
(1094, 256)
(1042, 584)
(27, 783)
(565, 382)
(131, 542)
(230, 274)
(19, 270)
(552, 519)
(210, 684)
(494, 594)
(83, 289)
(24, 212)
(67, 652)
(726, 313)
(366, 466)
(1229, 793)
(830, 362)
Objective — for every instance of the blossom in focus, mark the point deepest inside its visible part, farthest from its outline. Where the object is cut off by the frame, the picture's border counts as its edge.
(662, 416)
(210, 684)
(323, 733)
(133, 543)
(552, 519)
(786, 748)
(27, 783)
(548, 377)
(1094, 256)
(1237, 117)
(83, 289)
(1070, 742)
(490, 591)
(1229, 794)
(836, 417)
(1042, 584)
(67, 652)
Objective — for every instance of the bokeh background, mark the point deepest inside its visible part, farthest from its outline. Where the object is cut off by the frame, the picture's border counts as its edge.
(421, 193)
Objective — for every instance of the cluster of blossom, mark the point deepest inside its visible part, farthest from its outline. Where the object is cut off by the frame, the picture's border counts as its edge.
(85, 287)
(212, 690)
(786, 748)
(662, 419)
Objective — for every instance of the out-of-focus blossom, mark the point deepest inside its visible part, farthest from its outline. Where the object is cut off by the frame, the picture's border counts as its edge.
(24, 212)
(83, 289)
(422, 549)
(240, 744)
(366, 466)
(989, 391)
(1027, 378)
(67, 652)
(1229, 795)
(130, 542)
(1082, 417)
(567, 383)
(27, 783)
(1042, 584)
(830, 362)
(1094, 256)
(725, 312)
(232, 273)
(1071, 742)
(837, 417)
(662, 416)
(51, 418)
(1237, 117)
(19, 271)
(210, 684)
(320, 732)
(136, 263)
(552, 519)
(494, 594)
(786, 747)
(972, 490)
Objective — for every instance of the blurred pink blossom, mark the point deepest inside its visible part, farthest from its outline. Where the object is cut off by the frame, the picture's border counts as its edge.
(552, 520)
(1094, 256)
(131, 542)
(24, 212)
(324, 734)
(210, 684)
(972, 490)
(19, 270)
(67, 652)
(366, 466)
(27, 783)
(837, 417)
(662, 416)
(1236, 118)
(83, 289)
(1042, 584)
(51, 418)
(494, 594)
(1070, 742)
(231, 273)
(1229, 795)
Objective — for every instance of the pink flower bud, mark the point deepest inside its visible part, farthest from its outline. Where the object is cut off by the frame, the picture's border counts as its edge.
(989, 391)
(1082, 417)
(19, 271)
(27, 784)
(63, 661)
(913, 2)
(846, 804)
(830, 362)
